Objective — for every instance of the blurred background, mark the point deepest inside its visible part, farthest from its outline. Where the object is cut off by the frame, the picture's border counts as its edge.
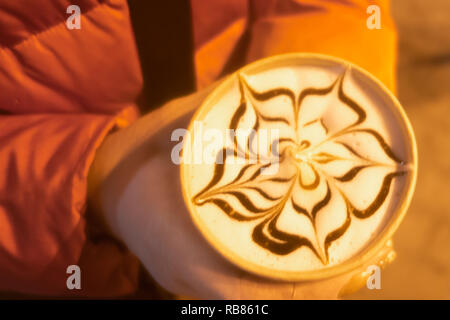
(422, 267)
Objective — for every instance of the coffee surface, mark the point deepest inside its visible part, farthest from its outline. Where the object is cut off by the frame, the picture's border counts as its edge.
(311, 162)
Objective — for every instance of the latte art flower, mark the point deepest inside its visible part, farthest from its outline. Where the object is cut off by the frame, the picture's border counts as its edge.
(320, 154)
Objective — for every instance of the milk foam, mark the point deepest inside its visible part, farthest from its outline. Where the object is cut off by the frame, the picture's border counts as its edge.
(345, 165)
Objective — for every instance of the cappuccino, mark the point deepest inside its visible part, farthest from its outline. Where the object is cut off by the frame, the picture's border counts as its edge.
(324, 164)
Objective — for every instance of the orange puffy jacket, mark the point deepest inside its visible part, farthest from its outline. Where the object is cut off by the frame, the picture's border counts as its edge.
(62, 91)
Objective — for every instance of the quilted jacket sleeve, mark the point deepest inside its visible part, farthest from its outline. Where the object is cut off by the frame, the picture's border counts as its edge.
(256, 29)
(61, 92)
(44, 159)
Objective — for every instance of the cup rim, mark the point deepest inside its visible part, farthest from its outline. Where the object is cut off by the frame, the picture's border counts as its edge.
(368, 252)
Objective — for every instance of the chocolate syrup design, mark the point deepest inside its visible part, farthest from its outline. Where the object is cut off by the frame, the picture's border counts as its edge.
(301, 159)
